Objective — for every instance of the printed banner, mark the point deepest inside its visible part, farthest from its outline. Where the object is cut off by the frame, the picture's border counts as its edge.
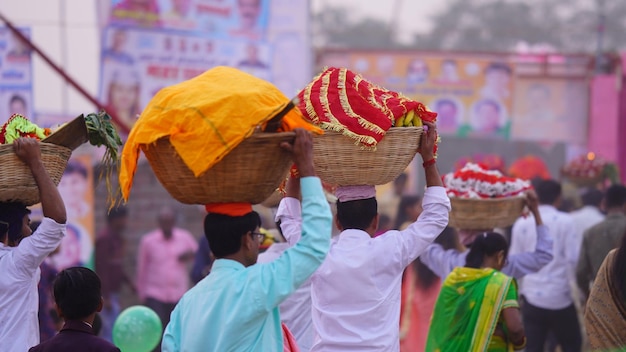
(138, 63)
(149, 45)
(472, 95)
(551, 109)
(77, 190)
(15, 75)
(229, 19)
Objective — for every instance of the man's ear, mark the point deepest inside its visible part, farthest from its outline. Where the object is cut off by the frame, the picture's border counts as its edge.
(246, 241)
(58, 310)
(374, 224)
(338, 225)
(100, 305)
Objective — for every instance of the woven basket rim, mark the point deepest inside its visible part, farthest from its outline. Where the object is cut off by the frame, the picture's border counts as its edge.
(390, 130)
(503, 199)
(255, 135)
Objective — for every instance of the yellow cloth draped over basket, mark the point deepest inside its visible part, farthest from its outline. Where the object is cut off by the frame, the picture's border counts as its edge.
(205, 118)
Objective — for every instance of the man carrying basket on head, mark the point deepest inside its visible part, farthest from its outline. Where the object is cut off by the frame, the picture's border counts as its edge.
(356, 291)
(236, 307)
(19, 264)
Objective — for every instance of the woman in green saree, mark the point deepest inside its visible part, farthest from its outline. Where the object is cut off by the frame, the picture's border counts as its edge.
(477, 307)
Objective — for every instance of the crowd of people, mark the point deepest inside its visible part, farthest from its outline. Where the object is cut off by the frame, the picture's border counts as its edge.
(553, 280)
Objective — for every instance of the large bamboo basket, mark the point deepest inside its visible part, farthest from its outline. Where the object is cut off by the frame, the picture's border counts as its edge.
(249, 173)
(484, 214)
(584, 181)
(338, 161)
(16, 179)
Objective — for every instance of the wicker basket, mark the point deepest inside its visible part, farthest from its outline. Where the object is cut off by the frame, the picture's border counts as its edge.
(338, 161)
(249, 173)
(273, 200)
(584, 181)
(18, 184)
(483, 214)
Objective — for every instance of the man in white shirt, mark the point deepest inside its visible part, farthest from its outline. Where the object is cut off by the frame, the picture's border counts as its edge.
(548, 303)
(356, 292)
(295, 311)
(19, 264)
(589, 214)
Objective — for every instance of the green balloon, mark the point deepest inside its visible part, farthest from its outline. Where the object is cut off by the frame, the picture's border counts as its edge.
(137, 329)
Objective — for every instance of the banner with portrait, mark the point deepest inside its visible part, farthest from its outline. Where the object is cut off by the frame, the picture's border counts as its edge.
(77, 190)
(138, 63)
(228, 19)
(551, 110)
(151, 44)
(16, 92)
(472, 94)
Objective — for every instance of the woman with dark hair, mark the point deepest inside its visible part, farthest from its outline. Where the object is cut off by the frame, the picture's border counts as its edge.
(420, 288)
(409, 210)
(477, 308)
(605, 314)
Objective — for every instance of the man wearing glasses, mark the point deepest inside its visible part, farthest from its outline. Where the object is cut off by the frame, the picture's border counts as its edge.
(235, 308)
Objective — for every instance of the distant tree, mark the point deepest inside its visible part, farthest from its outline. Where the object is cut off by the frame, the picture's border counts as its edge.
(498, 25)
(334, 27)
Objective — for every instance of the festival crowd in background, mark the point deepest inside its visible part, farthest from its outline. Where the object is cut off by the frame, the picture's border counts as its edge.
(554, 280)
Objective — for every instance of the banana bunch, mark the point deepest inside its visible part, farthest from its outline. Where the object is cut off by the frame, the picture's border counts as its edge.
(410, 119)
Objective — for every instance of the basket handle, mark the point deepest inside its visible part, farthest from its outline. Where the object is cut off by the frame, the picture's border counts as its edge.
(274, 123)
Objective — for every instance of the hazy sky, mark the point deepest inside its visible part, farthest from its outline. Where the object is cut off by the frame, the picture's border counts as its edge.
(414, 14)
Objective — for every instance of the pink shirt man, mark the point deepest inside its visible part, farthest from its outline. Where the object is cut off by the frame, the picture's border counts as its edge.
(161, 272)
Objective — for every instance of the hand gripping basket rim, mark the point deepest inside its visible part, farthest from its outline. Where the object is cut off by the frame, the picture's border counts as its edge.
(249, 173)
(483, 214)
(341, 162)
(18, 184)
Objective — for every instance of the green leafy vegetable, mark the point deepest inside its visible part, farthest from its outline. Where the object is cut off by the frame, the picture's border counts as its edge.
(101, 132)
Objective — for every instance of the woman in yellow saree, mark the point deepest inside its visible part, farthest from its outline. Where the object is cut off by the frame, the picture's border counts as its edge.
(477, 307)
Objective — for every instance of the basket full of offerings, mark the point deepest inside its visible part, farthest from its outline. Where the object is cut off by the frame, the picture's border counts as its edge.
(484, 199)
(18, 184)
(589, 170)
(370, 135)
(215, 138)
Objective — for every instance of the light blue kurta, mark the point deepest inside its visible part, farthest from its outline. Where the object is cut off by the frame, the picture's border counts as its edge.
(236, 308)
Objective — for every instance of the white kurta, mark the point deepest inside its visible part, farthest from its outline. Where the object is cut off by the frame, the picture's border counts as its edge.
(356, 292)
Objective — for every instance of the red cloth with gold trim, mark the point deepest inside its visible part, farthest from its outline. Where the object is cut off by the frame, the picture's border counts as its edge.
(343, 101)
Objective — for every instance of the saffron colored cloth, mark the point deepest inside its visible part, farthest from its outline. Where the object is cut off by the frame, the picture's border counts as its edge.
(605, 314)
(343, 101)
(205, 118)
(231, 209)
(468, 310)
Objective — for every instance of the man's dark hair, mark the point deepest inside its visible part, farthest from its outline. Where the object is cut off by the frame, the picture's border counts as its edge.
(548, 191)
(403, 177)
(499, 66)
(615, 197)
(442, 102)
(11, 220)
(17, 98)
(224, 232)
(592, 197)
(77, 292)
(117, 212)
(357, 214)
(75, 167)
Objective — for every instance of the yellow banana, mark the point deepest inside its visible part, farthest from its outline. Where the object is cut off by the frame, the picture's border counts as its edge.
(409, 117)
(417, 122)
(400, 121)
